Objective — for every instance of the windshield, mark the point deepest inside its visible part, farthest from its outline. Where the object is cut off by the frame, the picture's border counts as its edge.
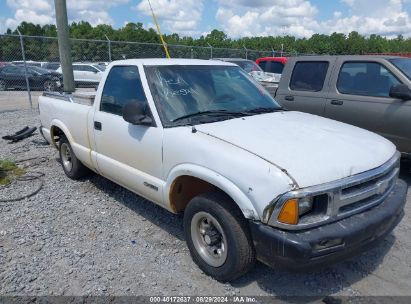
(404, 65)
(181, 91)
(248, 66)
(100, 67)
(38, 70)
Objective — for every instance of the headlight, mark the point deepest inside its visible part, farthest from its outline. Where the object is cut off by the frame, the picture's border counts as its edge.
(305, 205)
(293, 209)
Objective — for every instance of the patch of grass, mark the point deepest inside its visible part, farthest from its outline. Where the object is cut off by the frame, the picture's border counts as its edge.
(7, 165)
(8, 171)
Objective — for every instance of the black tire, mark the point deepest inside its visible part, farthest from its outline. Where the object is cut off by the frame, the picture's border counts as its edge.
(76, 169)
(3, 85)
(240, 255)
(49, 86)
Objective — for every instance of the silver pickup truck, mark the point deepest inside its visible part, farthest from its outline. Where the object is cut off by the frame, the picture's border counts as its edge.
(371, 92)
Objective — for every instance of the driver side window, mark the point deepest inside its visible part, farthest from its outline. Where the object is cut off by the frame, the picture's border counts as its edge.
(123, 85)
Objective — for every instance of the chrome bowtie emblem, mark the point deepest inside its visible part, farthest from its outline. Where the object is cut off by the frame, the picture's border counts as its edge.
(382, 186)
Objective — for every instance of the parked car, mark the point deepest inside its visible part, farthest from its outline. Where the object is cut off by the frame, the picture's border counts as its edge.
(274, 65)
(103, 64)
(371, 92)
(199, 137)
(86, 74)
(14, 76)
(266, 79)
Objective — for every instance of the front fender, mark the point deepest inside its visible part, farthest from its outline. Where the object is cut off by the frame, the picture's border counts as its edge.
(215, 179)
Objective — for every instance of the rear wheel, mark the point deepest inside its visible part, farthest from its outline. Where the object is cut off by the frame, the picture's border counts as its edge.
(3, 85)
(217, 236)
(71, 165)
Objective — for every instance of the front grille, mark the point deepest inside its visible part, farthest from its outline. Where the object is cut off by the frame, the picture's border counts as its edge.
(366, 193)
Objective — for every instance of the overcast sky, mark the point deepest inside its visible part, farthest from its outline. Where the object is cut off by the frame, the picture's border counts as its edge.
(237, 18)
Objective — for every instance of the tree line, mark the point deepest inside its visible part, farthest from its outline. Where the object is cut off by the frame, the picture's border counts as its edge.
(46, 49)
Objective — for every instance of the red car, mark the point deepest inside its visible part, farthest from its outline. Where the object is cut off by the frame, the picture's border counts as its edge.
(272, 64)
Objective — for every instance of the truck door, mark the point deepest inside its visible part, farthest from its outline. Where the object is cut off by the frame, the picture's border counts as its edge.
(304, 85)
(360, 96)
(130, 155)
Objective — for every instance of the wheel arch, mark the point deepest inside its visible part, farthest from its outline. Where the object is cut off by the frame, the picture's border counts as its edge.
(187, 181)
(58, 129)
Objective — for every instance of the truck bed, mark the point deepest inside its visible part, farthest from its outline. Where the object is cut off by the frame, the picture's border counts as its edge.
(68, 112)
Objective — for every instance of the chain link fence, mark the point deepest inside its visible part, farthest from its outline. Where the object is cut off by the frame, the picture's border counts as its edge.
(30, 65)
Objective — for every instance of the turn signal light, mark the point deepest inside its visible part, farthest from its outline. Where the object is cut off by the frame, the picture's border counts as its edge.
(289, 212)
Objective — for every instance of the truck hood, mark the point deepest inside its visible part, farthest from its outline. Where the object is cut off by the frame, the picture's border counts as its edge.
(312, 149)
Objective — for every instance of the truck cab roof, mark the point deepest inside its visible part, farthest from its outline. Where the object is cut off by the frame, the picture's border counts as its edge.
(166, 61)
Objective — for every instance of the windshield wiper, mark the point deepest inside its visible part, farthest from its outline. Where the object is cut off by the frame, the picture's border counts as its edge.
(264, 110)
(211, 113)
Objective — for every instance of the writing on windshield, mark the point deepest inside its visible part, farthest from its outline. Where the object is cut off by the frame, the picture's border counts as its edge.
(182, 90)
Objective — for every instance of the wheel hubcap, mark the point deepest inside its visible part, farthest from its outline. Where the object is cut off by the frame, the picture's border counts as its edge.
(66, 157)
(48, 86)
(209, 239)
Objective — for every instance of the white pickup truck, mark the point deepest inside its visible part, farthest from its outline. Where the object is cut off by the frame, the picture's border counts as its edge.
(254, 181)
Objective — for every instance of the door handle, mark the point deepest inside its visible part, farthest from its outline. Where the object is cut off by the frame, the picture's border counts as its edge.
(289, 98)
(337, 102)
(97, 125)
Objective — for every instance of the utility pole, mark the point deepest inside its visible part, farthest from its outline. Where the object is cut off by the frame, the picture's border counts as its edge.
(64, 45)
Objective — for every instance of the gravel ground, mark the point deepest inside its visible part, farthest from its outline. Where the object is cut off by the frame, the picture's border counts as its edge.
(92, 237)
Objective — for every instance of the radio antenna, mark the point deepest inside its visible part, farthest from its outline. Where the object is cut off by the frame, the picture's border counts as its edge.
(159, 31)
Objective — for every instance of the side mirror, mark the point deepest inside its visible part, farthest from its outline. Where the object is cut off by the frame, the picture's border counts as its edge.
(400, 91)
(136, 114)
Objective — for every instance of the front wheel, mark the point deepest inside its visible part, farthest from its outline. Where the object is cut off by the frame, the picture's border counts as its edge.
(217, 236)
(49, 86)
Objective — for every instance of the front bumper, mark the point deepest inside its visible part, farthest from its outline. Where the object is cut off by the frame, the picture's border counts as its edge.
(331, 242)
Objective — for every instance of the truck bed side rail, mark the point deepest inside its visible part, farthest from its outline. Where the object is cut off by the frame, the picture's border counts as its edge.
(86, 98)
